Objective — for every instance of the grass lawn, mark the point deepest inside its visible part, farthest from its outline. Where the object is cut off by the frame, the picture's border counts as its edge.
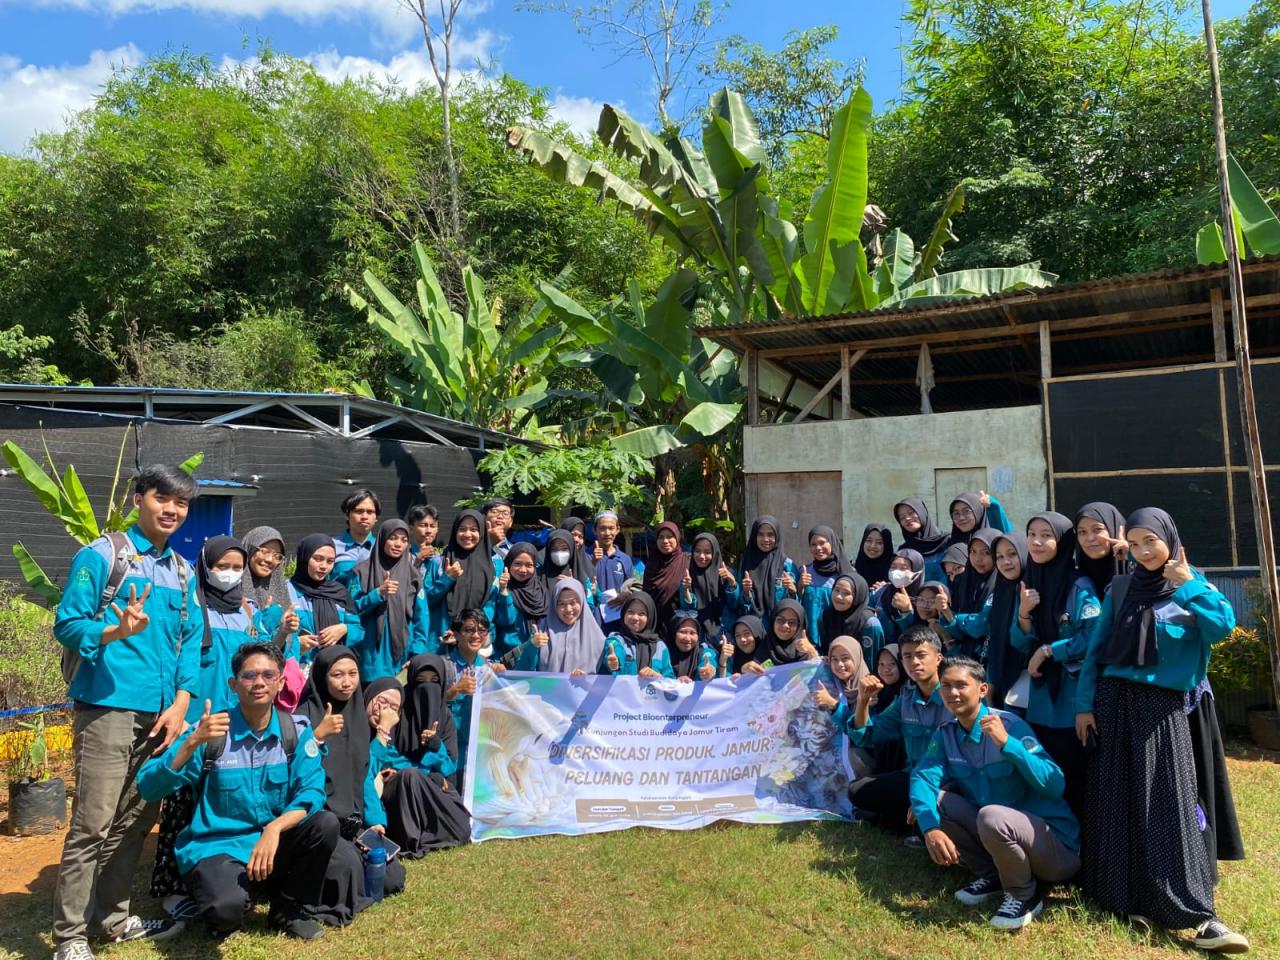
(806, 890)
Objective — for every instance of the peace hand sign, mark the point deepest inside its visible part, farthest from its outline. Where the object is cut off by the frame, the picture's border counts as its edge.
(133, 619)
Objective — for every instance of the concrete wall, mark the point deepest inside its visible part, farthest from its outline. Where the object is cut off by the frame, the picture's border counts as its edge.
(933, 456)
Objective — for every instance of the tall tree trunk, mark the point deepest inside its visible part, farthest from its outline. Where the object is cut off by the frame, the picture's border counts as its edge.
(665, 468)
(451, 166)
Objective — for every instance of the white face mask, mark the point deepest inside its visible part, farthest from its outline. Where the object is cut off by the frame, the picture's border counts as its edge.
(225, 579)
(559, 557)
(901, 578)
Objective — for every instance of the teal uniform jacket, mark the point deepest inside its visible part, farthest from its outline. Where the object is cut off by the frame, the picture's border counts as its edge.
(625, 651)
(971, 630)
(729, 604)
(143, 672)
(911, 717)
(746, 603)
(307, 624)
(892, 623)
(250, 785)
(350, 555)
(385, 756)
(435, 588)
(815, 598)
(1188, 624)
(1019, 775)
(228, 631)
(1069, 649)
(460, 706)
(373, 649)
(510, 627)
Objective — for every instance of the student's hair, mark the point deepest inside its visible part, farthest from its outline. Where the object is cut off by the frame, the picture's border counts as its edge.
(918, 633)
(495, 502)
(167, 480)
(975, 670)
(255, 649)
(421, 512)
(353, 501)
(471, 613)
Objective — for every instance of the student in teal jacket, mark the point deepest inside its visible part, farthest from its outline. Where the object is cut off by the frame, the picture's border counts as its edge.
(468, 664)
(523, 600)
(1146, 848)
(137, 666)
(635, 648)
(766, 574)
(710, 589)
(321, 602)
(690, 659)
(386, 591)
(817, 576)
(987, 796)
(355, 544)
(850, 614)
(1056, 615)
(259, 813)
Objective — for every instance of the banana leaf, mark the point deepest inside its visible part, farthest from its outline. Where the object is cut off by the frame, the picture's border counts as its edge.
(976, 282)
(932, 253)
(37, 580)
(1260, 226)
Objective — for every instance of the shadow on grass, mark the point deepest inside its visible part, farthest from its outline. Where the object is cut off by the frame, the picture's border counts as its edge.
(27, 916)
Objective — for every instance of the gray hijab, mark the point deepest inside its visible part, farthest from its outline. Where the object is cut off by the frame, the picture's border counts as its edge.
(571, 647)
(262, 589)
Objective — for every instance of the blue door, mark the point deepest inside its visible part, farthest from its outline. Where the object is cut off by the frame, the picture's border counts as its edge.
(210, 516)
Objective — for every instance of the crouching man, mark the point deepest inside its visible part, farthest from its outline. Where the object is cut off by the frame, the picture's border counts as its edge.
(260, 825)
(987, 796)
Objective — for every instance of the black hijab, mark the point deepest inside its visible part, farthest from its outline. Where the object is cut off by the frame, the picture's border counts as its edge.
(891, 690)
(578, 567)
(1133, 639)
(971, 589)
(779, 652)
(761, 652)
(645, 642)
(851, 622)
(708, 589)
(586, 562)
(395, 613)
(684, 664)
(1005, 662)
(213, 597)
(974, 503)
(877, 570)
(837, 563)
(1053, 580)
(328, 597)
(424, 705)
(532, 598)
(472, 588)
(928, 539)
(917, 567)
(765, 568)
(1101, 571)
(346, 754)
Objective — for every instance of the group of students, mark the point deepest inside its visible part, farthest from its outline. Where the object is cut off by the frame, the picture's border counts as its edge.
(997, 688)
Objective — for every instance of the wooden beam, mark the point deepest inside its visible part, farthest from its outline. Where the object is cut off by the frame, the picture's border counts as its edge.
(829, 385)
(844, 383)
(753, 387)
(1219, 325)
(1046, 352)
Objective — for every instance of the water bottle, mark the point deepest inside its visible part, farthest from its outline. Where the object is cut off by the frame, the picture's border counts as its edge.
(375, 872)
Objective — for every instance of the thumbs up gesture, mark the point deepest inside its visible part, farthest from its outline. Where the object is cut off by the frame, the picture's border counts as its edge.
(902, 601)
(426, 736)
(726, 574)
(687, 582)
(598, 554)
(504, 580)
(389, 588)
(1030, 600)
(212, 726)
(329, 725)
(612, 661)
(1177, 570)
(746, 582)
(823, 698)
(540, 639)
(806, 578)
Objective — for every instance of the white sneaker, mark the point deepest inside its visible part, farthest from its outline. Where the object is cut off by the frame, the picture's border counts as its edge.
(135, 928)
(73, 950)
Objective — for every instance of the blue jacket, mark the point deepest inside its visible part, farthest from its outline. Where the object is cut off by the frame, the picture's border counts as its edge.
(910, 717)
(1021, 775)
(460, 706)
(1188, 624)
(228, 631)
(373, 648)
(1069, 648)
(303, 607)
(350, 555)
(746, 601)
(143, 672)
(385, 756)
(250, 785)
(625, 651)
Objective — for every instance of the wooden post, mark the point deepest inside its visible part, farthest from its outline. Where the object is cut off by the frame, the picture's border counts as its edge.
(1244, 368)
(1046, 352)
(753, 387)
(844, 383)
(1219, 325)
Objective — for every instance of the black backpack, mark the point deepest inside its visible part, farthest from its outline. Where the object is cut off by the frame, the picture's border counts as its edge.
(288, 740)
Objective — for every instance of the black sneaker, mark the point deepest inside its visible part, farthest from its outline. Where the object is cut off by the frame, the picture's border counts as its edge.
(1014, 914)
(134, 927)
(181, 907)
(1216, 936)
(296, 925)
(978, 891)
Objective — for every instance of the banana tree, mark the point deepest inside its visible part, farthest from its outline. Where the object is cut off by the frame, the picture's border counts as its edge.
(65, 499)
(468, 367)
(1256, 225)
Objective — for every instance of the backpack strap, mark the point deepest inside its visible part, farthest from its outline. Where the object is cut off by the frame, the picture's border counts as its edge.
(1119, 590)
(288, 740)
(122, 556)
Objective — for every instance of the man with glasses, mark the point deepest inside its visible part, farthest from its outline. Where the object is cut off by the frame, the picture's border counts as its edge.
(912, 717)
(259, 825)
(499, 515)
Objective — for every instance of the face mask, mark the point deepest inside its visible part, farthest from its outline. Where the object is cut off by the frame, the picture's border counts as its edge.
(224, 579)
(559, 557)
(901, 578)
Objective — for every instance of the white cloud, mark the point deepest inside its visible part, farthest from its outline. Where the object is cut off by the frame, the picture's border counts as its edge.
(409, 68)
(35, 99)
(580, 113)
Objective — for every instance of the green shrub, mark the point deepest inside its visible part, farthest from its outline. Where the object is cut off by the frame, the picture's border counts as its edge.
(1240, 662)
(30, 662)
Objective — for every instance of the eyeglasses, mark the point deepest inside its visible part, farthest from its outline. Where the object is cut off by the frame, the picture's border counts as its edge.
(473, 631)
(959, 513)
(267, 676)
(786, 622)
(269, 555)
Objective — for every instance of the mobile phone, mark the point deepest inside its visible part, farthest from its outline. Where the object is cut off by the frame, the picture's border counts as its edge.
(371, 838)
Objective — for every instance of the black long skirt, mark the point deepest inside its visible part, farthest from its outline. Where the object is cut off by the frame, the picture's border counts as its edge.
(1143, 851)
(342, 896)
(1222, 829)
(422, 815)
(176, 811)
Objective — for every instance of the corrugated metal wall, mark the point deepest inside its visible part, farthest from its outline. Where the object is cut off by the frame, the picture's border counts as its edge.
(302, 477)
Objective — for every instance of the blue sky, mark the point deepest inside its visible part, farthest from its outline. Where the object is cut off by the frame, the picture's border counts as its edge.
(55, 54)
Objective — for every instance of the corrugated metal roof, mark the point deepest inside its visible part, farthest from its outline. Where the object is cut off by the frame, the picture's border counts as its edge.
(985, 350)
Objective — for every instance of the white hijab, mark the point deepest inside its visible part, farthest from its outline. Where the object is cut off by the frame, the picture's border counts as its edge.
(576, 646)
